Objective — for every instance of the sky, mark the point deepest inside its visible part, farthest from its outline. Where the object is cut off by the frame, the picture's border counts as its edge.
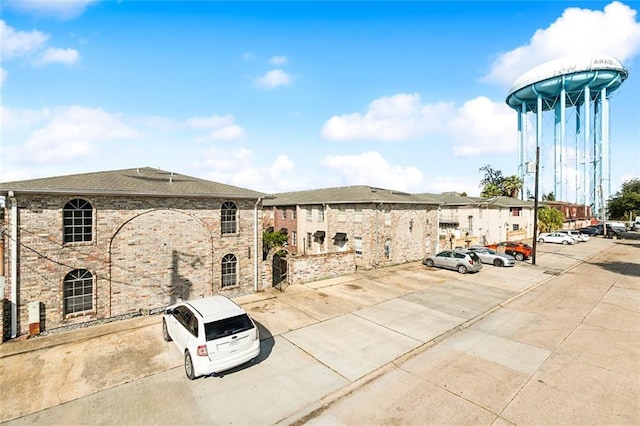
(287, 96)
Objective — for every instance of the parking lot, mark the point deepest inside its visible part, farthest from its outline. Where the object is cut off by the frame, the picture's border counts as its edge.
(359, 336)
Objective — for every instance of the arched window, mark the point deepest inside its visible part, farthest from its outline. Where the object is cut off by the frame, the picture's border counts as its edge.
(228, 218)
(77, 216)
(78, 291)
(229, 271)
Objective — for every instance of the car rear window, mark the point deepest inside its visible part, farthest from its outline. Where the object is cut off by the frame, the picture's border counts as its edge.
(474, 257)
(227, 327)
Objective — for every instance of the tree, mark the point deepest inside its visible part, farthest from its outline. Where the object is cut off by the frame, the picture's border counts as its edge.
(512, 185)
(495, 184)
(625, 204)
(271, 240)
(549, 197)
(549, 219)
(491, 190)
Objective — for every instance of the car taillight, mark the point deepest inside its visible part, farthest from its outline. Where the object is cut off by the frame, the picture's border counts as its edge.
(257, 334)
(202, 350)
(470, 261)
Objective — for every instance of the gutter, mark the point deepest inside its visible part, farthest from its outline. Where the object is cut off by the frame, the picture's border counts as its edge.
(14, 264)
(255, 245)
(129, 193)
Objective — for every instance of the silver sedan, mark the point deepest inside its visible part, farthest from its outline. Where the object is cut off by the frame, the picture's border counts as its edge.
(492, 257)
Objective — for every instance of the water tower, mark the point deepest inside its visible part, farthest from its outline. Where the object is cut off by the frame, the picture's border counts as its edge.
(571, 95)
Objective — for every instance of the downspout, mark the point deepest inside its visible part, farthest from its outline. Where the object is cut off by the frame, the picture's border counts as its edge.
(14, 264)
(255, 245)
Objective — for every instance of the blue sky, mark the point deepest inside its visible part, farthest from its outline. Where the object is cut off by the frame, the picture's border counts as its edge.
(284, 96)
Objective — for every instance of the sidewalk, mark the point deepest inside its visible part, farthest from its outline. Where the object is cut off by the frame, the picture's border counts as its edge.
(67, 366)
(563, 353)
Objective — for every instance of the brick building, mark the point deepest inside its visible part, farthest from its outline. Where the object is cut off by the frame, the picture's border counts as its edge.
(380, 227)
(575, 215)
(92, 246)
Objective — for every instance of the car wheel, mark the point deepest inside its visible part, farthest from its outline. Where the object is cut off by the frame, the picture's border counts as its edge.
(188, 366)
(165, 331)
(462, 269)
(519, 256)
(565, 242)
(430, 263)
(498, 262)
(541, 240)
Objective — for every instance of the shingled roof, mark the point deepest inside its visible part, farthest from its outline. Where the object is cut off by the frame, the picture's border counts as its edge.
(142, 181)
(347, 195)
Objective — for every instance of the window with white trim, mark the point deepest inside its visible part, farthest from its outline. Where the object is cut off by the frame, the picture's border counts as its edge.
(309, 213)
(77, 216)
(229, 270)
(342, 217)
(320, 213)
(294, 238)
(387, 216)
(78, 291)
(228, 215)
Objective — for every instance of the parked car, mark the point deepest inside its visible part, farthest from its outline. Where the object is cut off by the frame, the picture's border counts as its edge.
(555, 237)
(576, 235)
(589, 230)
(492, 257)
(611, 230)
(213, 333)
(456, 260)
(517, 249)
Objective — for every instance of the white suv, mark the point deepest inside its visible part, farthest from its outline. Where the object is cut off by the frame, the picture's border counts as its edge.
(213, 333)
(576, 235)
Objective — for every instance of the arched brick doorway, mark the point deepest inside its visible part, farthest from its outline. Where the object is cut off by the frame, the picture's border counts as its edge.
(158, 258)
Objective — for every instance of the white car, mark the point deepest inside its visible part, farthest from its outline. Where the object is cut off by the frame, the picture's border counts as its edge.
(576, 235)
(213, 333)
(556, 237)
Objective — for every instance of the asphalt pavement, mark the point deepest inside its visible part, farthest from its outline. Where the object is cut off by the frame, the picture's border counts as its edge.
(552, 343)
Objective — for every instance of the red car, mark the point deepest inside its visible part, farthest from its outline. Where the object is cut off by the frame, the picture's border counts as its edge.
(517, 249)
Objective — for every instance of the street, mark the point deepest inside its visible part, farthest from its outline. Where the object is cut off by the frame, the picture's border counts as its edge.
(554, 343)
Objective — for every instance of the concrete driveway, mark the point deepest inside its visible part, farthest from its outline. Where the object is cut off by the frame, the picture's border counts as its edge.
(325, 340)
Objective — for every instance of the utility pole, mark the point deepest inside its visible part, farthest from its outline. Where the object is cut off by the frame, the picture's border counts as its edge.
(535, 208)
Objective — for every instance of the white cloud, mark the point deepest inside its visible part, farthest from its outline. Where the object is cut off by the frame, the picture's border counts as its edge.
(273, 79)
(238, 167)
(371, 168)
(229, 133)
(479, 126)
(73, 133)
(32, 45)
(613, 31)
(392, 118)
(279, 60)
(58, 9)
(222, 128)
(282, 165)
(57, 55)
(13, 119)
(20, 43)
